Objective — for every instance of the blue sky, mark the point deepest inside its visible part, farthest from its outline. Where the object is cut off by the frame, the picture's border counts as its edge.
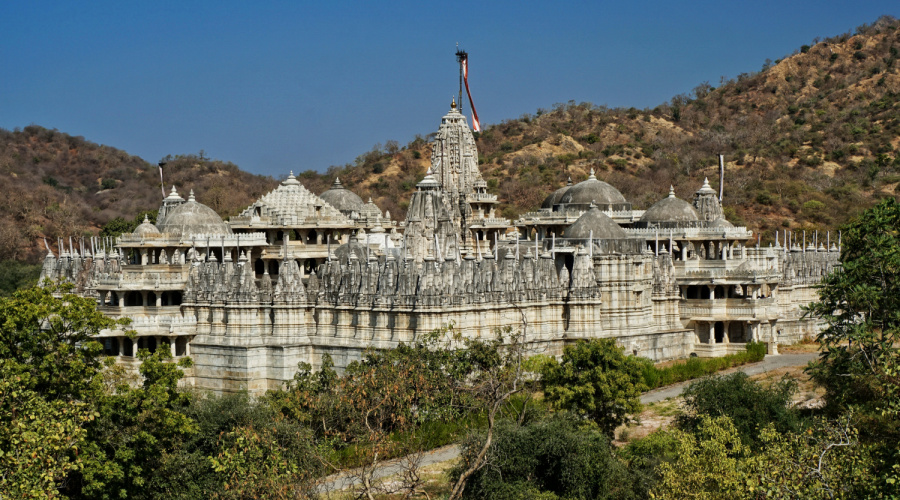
(278, 86)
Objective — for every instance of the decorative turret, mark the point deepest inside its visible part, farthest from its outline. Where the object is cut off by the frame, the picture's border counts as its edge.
(707, 203)
(169, 203)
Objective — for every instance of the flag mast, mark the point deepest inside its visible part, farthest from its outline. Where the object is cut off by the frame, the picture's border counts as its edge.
(461, 56)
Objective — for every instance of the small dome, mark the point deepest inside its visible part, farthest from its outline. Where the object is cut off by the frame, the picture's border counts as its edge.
(554, 197)
(342, 199)
(146, 228)
(191, 218)
(671, 209)
(594, 223)
(592, 191)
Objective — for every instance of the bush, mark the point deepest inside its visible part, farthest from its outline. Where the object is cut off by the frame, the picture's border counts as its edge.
(749, 404)
(549, 458)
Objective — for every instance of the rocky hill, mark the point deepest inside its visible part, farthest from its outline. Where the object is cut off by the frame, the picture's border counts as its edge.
(809, 140)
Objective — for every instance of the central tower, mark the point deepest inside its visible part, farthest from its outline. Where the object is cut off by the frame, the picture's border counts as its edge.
(454, 158)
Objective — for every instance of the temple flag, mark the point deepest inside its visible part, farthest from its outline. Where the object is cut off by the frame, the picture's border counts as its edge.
(475, 124)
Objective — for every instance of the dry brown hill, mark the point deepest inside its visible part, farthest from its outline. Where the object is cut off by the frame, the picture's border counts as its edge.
(59, 185)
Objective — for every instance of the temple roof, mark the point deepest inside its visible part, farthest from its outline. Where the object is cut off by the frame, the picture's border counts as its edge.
(192, 217)
(146, 227)
(592, 191)
(342, 198)
(596, 224)
(671, 209)
(554, 197)
(291, 203)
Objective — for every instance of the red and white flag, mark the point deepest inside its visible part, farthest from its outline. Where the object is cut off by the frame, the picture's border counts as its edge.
(475, 125)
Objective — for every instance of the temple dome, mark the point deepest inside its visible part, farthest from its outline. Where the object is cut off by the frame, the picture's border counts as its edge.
(671, 209)
(597, 224)
(343, 199)
(592, 191)
(145, 228)
(554, 197)
(192, 217)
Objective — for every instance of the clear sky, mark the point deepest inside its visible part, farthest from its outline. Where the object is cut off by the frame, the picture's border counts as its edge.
(277, 86)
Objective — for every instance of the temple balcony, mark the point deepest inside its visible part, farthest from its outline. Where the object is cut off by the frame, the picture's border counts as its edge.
(138, 277)
(728, 309)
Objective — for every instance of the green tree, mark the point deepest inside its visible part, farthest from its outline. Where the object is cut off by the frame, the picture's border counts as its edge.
(860, 302)
(596, 379)
(119, 225)
(48, 341)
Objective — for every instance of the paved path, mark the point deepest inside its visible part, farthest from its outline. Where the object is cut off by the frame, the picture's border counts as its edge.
(769, 363)
(345, 480)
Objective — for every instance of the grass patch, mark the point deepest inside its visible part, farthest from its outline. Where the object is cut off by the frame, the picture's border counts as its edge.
(699, 367)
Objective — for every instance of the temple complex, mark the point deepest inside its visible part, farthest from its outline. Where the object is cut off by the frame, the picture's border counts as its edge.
(296, 276)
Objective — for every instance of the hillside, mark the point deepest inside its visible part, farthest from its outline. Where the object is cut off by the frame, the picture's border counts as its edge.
(58, 185)
(810, 140)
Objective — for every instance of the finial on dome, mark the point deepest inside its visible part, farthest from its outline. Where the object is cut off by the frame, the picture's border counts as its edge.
(291, 180)
(569, 181)
(592, 176)
(173, 190)
(671, 191)
(146, 220)
(706, 182)
(429, 171)
(337, 183)
(453, 103)
(370, 199)
(191, 197)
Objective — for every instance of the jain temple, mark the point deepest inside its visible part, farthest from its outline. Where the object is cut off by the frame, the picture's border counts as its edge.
(297, 275)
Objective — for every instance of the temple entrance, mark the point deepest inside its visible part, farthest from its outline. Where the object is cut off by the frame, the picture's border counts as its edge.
(719, 332)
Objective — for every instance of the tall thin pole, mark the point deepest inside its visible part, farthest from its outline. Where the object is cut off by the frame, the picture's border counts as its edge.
(460, 57)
